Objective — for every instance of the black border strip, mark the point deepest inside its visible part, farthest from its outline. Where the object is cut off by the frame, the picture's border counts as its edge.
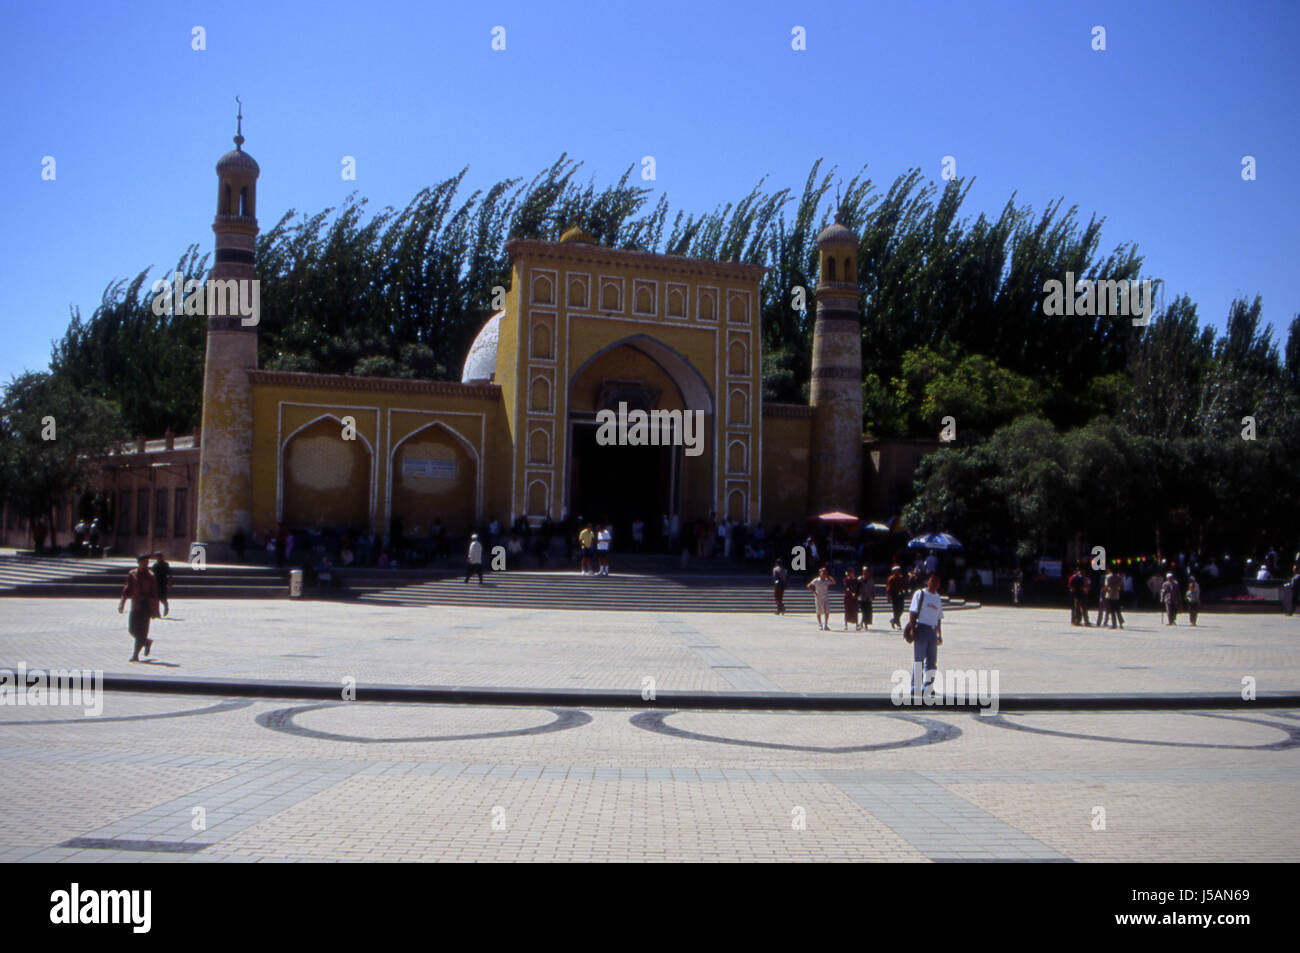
(700, 701)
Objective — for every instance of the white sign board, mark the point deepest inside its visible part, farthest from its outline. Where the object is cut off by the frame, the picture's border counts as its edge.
(428, 468)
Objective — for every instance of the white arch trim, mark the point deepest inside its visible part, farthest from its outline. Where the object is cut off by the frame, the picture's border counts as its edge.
(528, 492)
(744, 456)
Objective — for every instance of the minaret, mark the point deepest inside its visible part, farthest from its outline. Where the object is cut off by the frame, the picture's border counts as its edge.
(225, 499)
(836, 393)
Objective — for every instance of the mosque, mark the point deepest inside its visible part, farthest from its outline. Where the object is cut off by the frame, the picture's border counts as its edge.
(584, 329)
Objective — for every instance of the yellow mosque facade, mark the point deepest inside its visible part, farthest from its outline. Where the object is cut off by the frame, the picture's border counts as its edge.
(584, 329)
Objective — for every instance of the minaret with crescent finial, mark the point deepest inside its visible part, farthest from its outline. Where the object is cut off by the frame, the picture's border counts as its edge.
(225, 492)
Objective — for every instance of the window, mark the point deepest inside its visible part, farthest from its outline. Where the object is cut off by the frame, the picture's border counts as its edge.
(181, 519)
(160, 513)
(142, 512)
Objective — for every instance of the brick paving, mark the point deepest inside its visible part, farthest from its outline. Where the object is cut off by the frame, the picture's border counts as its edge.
(179, 779)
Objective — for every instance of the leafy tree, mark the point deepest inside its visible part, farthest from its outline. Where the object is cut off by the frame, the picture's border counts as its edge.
(149, 365)
(345, 291)
(975, 390)
(49, 432)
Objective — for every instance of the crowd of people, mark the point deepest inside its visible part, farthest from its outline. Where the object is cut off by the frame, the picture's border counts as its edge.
(591, 548)
(1173, 586)
(922, 628)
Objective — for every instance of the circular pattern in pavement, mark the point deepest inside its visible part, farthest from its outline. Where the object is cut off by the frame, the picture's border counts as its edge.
(230, 704)
(1292, 732)
(285, 720)
(933, 732)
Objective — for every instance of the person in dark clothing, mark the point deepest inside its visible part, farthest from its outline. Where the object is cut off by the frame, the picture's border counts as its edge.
(867, 589)
(780, 579)
(162, 571)
(852, 586)
(142, 589)
(895, 590)
(1078, 610)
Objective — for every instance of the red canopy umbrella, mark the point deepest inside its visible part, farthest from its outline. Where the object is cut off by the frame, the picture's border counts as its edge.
(833, 519)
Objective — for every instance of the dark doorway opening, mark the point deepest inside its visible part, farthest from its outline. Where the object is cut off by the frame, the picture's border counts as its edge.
(616, 484)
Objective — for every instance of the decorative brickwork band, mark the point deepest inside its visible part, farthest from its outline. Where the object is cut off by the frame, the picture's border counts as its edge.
(229, 322)
(836, 372)
(834, 325)
(787, 410)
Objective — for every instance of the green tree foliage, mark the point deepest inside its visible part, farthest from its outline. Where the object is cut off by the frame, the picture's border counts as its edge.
(974, 389)
(1036, 487)
(149, 365)
(1293, 354)
(49, 430)
(931, 277)
(347, 292)
(1188, 383)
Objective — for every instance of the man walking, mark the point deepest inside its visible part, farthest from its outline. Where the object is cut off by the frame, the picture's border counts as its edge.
(1170, 596)
(780, 578)
(1112, 592)
(1078, 610)
(604, 542)
(867, 590)
(925, 617)
(1294, 588)
(1193, 598)
(586, 549)
(895, 589)
(162, 571)
(142, 589)
(475, 559)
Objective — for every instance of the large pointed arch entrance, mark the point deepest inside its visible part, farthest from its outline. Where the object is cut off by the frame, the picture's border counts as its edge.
(617, 483)
(325, 482)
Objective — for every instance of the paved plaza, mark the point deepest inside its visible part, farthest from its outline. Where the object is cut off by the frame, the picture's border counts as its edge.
(176, 778)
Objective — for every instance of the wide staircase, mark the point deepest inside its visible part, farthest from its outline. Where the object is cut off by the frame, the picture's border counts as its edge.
(696, 592)
(103, 579)
(704, 587)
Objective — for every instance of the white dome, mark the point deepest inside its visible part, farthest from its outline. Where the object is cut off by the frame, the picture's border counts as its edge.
(481, 362)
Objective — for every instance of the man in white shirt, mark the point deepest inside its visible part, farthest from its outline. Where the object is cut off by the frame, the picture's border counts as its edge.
(604, 540)
(474, 560)
(925, 614)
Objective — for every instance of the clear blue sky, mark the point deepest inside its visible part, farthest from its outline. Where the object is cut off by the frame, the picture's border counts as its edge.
(1149, 133)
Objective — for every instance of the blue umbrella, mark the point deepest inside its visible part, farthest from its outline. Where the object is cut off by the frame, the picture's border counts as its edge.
(940, 541)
